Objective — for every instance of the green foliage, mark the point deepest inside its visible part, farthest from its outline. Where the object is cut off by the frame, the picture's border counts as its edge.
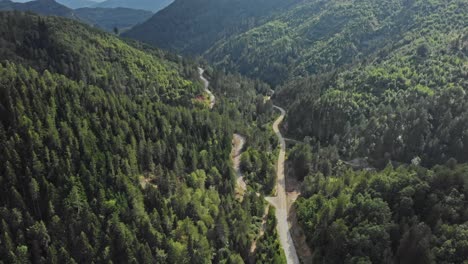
(278, 41)
(315, 36)
(94, 57)
(406, 215)
(259, 168)
(193, 26)
(268, 247)
(368, 84)
(103, 157)
(46, 8)
(406, 101)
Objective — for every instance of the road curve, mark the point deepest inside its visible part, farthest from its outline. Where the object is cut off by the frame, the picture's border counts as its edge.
(206, 84)
(280, 201)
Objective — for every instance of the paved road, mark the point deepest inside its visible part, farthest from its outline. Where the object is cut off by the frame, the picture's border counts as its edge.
(206, 83)
(280, 201)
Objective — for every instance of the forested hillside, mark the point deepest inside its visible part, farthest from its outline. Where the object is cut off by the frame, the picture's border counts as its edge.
(320, 36)
(281, 40)
(43, 7)
(193, 26)
(107, 19)
(105, 156)
(403, 108)
(404, 215)
(111, 18)
(377, 92)
(408, 100)
(110, 153)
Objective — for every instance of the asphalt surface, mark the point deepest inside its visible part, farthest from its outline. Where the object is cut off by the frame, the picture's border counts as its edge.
(280, 201)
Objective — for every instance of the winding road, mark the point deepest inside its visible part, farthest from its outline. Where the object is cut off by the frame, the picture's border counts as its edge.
(206, 84)
(280, 201)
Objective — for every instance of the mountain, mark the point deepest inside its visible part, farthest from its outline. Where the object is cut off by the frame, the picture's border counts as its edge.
(109, 155)
(418, 58)
(68, 3)
(104, 18)
(376, 95)
(150, 5)
(110, 18)
(193, 26)
(43, 7)
(287, 38)
(77, 3)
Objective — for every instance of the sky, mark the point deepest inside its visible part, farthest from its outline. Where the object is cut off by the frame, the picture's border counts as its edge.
(24, 1)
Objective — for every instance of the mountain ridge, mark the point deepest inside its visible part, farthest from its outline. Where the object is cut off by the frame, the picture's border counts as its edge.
(193, 26)
(108, 152)
(150, 5)
(104, 18)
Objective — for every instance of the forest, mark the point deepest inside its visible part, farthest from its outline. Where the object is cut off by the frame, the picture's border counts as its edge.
(407, 214)
(193, 26)
(383, 159)
(109, 152)
(105, 158)
(376, 91)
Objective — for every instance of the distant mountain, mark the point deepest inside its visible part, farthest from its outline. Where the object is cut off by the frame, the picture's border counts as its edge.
(193, 26)
(150, 5)
(43, 7)
(77, 3)
(278, 40)
(110, 18)
(104, 18)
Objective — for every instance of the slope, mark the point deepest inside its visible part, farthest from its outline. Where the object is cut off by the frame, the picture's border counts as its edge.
(83, 54)
(150, 5)
(320, 36)
(43, 7)
(77, 3)
(279, 40)
(110, 18)
(104, 18)
(407, 82)
(104, 157)
(193, 26)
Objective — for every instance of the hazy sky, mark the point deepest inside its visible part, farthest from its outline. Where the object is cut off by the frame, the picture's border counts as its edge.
(24, 1)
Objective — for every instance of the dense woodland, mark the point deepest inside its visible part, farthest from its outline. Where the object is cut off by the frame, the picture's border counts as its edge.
(377, 93)
(404, 110)
(193, 26)
(406, 101)
(399, 215)
(108, 153)
(105, 157)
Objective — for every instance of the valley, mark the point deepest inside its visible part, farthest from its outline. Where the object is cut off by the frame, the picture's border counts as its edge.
(232, 132)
